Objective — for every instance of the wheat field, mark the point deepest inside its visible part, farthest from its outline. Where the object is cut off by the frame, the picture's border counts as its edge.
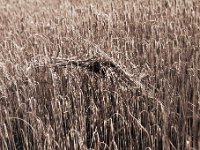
(102, 75)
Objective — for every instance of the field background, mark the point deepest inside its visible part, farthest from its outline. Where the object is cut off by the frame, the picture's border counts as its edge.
(44, 106)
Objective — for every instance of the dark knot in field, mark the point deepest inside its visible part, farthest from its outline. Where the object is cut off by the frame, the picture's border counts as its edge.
(100, 66)
(97, 68)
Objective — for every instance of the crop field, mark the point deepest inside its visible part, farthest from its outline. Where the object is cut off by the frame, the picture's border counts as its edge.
(99, 75)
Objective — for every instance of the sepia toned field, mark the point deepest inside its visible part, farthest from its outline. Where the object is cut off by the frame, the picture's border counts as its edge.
(102, 75)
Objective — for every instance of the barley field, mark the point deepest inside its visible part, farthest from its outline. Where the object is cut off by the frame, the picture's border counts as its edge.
(99, 75)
